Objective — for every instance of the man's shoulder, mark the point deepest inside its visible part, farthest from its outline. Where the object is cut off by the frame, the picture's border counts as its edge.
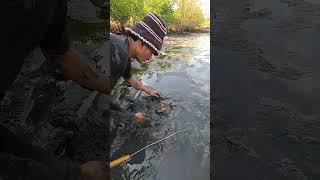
(117, 39)
(119, 45)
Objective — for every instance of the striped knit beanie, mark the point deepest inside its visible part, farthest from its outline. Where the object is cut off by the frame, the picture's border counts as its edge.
(150, 30)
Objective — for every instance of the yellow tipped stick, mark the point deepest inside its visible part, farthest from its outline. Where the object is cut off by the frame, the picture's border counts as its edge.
(125, 158)
(118, 161)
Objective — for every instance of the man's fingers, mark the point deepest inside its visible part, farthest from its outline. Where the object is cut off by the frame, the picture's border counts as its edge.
(158, 94)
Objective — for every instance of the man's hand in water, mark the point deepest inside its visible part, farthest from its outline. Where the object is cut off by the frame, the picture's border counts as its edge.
(139, 86)
(154, 93)
(139, 118)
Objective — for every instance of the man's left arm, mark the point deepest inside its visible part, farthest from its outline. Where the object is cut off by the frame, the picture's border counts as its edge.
(74, 66)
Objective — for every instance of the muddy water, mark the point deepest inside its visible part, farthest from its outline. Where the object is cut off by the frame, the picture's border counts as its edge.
(182, 74)
(266, 96)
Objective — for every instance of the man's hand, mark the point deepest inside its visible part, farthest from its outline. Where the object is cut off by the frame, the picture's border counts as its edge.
(139, 118)
(154, 93)
(138, 85)
(93, 170)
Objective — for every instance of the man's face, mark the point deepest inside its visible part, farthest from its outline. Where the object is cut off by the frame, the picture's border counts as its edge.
(144, 53)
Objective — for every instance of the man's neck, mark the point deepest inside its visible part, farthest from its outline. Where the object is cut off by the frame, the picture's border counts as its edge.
(130, 48)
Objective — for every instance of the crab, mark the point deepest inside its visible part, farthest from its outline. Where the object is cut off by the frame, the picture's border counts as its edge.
(164, 108)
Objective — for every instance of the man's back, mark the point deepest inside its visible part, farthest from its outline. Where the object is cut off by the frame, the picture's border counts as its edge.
(119, 62)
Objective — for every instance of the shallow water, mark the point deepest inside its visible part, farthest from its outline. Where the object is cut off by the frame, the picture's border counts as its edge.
(182, 75)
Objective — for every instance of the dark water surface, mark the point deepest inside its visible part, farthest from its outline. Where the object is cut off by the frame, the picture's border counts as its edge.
(266, 99)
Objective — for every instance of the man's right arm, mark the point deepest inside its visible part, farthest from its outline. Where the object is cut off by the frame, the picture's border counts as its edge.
(139, 86)
(76, 67)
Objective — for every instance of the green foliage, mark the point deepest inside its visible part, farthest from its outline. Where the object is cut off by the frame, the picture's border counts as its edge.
(188, 14)
(182, 14)
(164, 65)
(121, 10)
(163, 8)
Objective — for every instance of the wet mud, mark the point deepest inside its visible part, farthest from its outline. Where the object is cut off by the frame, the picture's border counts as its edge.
(265, 103)
(55, 112)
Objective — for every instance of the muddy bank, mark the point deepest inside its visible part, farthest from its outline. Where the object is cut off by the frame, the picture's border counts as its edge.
(265, 101)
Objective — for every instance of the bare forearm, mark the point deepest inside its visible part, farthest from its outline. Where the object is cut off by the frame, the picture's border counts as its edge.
(77, 68)
(138, 85)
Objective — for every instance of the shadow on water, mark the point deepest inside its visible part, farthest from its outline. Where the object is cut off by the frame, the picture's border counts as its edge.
(182, 76)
